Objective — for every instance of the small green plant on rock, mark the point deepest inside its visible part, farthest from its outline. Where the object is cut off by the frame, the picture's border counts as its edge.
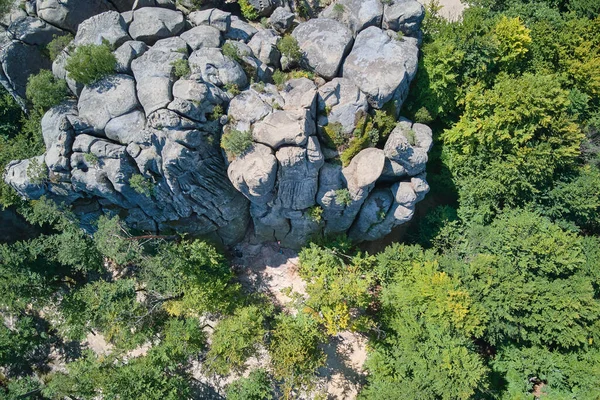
(411, 136)
(288, 46)
(338, 9)
(248, 10)
(37, 172)
(90, 63)
(315, 214)
(229, 50)
(334, 135)
(182, 68)
(342, 197)
(236, 143)
(232, 89)
(216, 112)
(57, 45)
(141, 185)
(91, 159)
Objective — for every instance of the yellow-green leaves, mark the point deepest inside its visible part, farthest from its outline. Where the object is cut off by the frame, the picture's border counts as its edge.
(513, 39)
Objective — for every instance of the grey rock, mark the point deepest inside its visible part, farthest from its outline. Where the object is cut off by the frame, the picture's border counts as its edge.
(170, 4)
(194, 99)
(153, 72)
(264, 47)
(325, 43)
(410, 156)
(19, 62)
(249, 107)
(240, 30)
(372, 58)
(284, 128)
(202, 36)
(217, 68)
(22, 175)
(151, 24)
(282, 19)
(107, 99)
(254, 174)
(58, 135)
(346, 104)
(213, 17)
(420, 185)
(263, 7)
(123, 5)
(300, 93)
(364, 170)
(375, 219)
(298, 175)
(355, 14)
(128, 52)
(127, 128)
(404, 16)
(33, 31)
(68, 14)
(109, 26)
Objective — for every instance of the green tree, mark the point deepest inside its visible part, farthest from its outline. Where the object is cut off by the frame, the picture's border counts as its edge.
(257, 386)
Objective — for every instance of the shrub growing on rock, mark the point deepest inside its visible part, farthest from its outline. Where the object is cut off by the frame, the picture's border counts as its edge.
(57, 45)
(288, 46)
(182, 68)
(90, 63)
(45, 91)
(236, 143)
(141, 185)
(248, 10)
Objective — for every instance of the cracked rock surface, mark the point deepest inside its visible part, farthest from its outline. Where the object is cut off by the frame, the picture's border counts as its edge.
(144, 143)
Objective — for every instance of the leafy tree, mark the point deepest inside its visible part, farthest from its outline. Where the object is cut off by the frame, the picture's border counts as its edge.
(257, 386)
(338, 287)
(58, 44)
(90, 63)
(44, 91)
(236, 339)
(509, 143)
(295, 352)
(513, 39)
(23, 346)
(248, 10)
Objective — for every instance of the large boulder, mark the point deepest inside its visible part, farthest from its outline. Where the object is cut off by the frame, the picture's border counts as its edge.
(282, 19)
(381, 66)
(33, 31)
(213, 17)
(325, 43)
(264, 47)
(240, 30)
(107, 99)
(151, 24)
(403, 16)
(202, 36)
(254, 174)
(19, 62)
(216, 68)
(355, 14)
(153, 72)
(68, 14)
(109, 26)
(128, 52)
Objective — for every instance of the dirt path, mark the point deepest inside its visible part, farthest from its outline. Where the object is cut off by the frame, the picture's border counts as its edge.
(269, 269)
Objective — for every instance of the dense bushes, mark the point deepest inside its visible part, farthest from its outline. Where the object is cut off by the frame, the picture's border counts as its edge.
(90, 63)
(45, 91)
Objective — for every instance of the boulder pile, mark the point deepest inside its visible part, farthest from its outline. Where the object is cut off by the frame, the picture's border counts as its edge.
(144, 143)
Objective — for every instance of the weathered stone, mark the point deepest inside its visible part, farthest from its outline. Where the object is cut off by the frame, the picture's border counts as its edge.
(68, 14)
(381, 67)
(282, 19)
(33, 31)
(24, 177)
(240, 30)
(325, 43)
(403, 147)
(127, 128)
(254, 174)
(109, 26)
(345, 103)
(128, 52)
(151, 24)
(403, 15)
(355, 14)
(202, 36)
(213, 17)
(153, 73)
(107, 99)
(19, 62)
(217, 68)
(248, 107)
(264, 47)
(284, 128)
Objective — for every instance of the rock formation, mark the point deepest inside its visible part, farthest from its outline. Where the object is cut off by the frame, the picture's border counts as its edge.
(144, 143)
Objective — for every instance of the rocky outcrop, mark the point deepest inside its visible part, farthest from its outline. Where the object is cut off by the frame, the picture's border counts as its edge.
(144, 143)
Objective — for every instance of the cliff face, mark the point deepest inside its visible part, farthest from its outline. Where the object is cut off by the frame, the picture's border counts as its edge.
(144, 143)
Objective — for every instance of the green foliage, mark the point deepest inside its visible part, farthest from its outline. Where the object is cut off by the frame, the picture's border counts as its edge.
(181, 68)
(23, 346)
(236, 143)
(90, 63)
(288, 46)
(279, 78)
(58, 44)
(513, 39)
(113, 242)
(142, 185)
(257, 386)
(333, 135)
(315, 214)
(235, 339)
(339, 288)
(509, 143)
(231, 51)
(91, 159)
(248, 11)
(232, 89)
(44, 91)
(295, 352)
(217, 112)
(343, 197)
(338, 9)
(6, 7)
